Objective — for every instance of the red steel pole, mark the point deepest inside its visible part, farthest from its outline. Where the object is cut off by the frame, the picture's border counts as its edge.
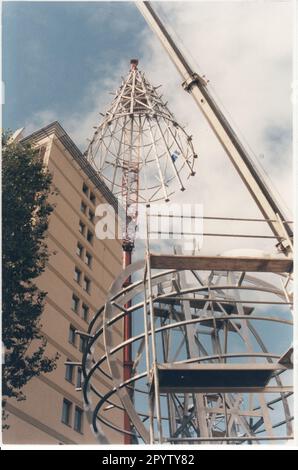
(130, 192)
(127, 353)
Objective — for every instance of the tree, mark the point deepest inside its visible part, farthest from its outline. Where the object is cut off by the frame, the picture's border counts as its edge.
(26, 209)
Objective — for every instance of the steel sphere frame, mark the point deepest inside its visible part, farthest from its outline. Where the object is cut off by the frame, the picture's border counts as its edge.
(182, 314)
(140, 135)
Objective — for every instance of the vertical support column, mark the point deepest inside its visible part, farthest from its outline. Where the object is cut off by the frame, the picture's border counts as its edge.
(154, 396)
(192, 349)
(246, 336)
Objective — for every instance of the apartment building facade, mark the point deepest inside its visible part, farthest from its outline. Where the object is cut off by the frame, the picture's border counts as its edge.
(77, 278)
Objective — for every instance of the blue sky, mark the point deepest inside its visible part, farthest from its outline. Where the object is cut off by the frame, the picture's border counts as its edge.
(52, 51)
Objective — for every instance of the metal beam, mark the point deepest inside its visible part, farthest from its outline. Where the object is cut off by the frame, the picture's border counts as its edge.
(221, 263)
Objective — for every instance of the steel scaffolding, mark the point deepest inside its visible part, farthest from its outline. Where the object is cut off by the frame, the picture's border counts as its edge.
(202, 370)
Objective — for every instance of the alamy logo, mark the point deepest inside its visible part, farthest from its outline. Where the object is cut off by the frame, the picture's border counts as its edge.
(159, 221)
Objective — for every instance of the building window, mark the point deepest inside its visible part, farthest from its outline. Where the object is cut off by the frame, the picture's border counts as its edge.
(88, 259)
(92, 198)
(83, 207)
(69, 372)
(66, 411)
(83, 344)
(87, 284)
(77, 275)
(75, 303)
(72, 335)
(85, 310)
(78, 421)
(91, 216)
(85, 189)
(90, 236)
(79, 378)
(80, 250)
(82, 227)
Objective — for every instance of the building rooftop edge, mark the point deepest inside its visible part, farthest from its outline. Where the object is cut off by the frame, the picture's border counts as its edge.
(56, 129)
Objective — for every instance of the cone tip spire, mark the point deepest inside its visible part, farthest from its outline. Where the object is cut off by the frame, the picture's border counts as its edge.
(134, 64)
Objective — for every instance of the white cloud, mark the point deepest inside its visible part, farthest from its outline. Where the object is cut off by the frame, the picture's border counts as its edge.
(40, 119)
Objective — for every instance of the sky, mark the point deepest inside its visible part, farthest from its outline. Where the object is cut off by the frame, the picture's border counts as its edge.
(54, 52)
(62, 59)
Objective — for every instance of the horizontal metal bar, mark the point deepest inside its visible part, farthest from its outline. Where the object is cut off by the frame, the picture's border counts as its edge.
(221, 411)
(220, 366)
(83, 333)
(240, 438)
(222, 263)
(173, 216)
(217, 357)
(177, 389)
(207, 234)
(222, 301)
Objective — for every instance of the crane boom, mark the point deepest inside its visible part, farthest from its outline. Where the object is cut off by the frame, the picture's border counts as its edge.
(195, 85)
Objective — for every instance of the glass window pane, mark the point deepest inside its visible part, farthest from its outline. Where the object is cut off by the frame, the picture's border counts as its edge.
(69, 372)
(72, 335)
(91, 216)
(75, 303)
(79, 378)
(77, 275)
(90, 236)
(82, 227)
(92, 198)
(86, 284)
(79, 249)
(85, 189)
(83, 207)
(85, 312)
(83, 344)
(66, 411)
(78, 419)
(88, 259)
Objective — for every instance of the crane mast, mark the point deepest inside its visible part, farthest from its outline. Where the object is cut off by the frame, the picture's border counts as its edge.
(196, 86)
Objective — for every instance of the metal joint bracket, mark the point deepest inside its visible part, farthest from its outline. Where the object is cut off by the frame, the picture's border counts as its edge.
(287, 359)
(193, 79)
(284, 246)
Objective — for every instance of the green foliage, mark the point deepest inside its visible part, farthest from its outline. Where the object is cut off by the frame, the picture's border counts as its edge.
(25, 214)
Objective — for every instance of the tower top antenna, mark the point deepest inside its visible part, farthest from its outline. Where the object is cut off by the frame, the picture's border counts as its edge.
(139, 149)
(134, 64)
